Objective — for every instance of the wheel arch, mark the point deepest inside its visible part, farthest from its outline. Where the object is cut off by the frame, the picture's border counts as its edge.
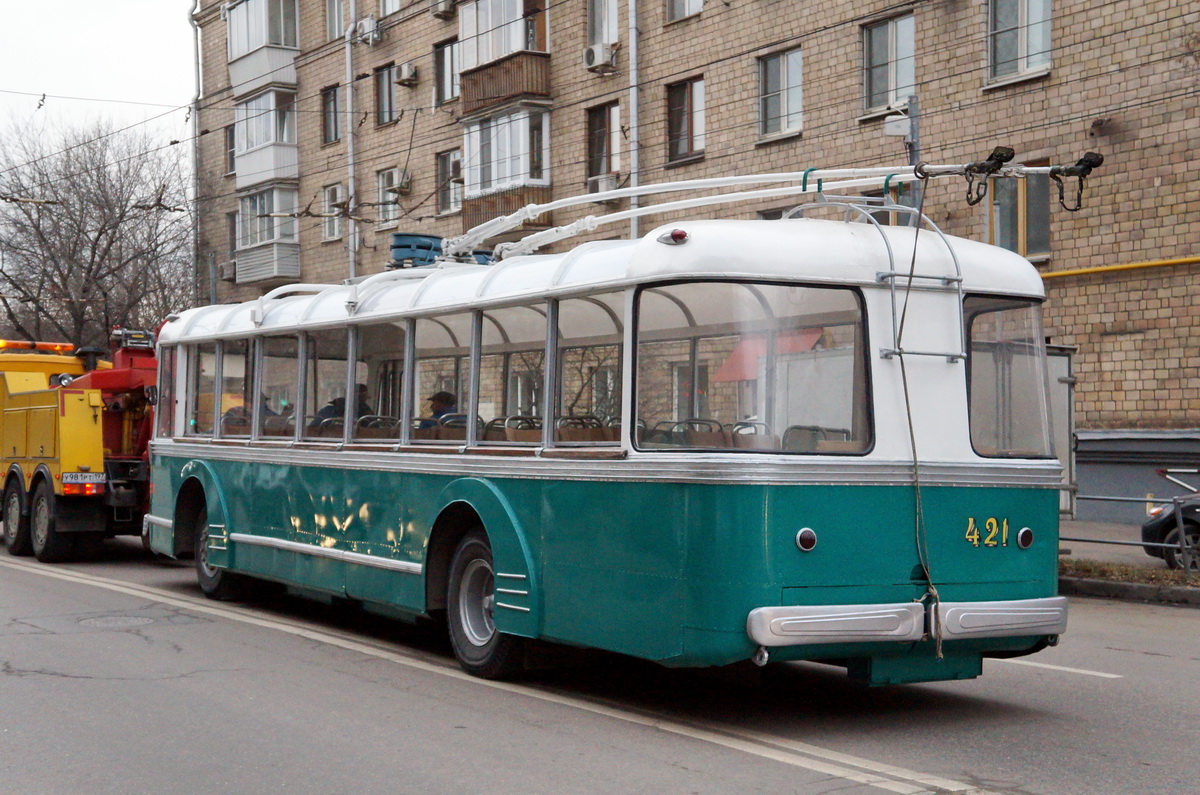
(466, 503)
(198, 487)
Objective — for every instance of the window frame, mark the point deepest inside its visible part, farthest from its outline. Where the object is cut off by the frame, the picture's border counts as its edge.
(501, 159)
(783, 57)
(1023, 210)
(519, 28)
(230, 149)
(602, 24)
(450, 189)
(892, 100)
(446, 56)
(387, 197)
(868, 418)
(242, 42)
(331, 114)
(335, 20)
(610, 133)
(684, 125)
(331, 226)
(683, 9)
(258, 124)
(281, 230)
(387, 7)
(1023, 68)
(385, 95)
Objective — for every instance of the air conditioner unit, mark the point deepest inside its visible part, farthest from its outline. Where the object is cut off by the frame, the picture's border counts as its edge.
(367, 30)
(403, 184)
(601, 58)
(406, 74)
(604, 182)
(442, 9)
(228, 271)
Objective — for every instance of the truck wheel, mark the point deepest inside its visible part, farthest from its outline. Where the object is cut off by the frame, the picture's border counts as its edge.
(216, 583)
(470, 601)
(16, 524)
(49, 545)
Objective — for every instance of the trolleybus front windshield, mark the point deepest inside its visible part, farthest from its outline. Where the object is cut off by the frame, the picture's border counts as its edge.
(1006, 378)
(738, 366)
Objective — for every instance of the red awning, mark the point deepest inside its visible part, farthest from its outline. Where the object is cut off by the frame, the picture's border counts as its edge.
(742, 364)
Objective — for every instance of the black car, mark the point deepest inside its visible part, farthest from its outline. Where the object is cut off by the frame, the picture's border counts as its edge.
(1162, 528)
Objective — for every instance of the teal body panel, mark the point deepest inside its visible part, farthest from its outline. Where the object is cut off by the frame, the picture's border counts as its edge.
(659, 570)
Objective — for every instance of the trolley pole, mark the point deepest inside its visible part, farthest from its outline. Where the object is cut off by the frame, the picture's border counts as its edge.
(913, 142)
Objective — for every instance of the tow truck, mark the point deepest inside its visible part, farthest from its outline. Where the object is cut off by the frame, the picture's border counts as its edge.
(75, 433)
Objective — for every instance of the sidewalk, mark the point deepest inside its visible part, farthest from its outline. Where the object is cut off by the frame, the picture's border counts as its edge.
(1135, 556)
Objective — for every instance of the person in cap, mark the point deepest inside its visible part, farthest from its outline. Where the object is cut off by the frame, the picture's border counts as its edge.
(440, 404)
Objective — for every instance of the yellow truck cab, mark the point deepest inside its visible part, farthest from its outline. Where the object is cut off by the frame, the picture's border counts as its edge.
(52, 451)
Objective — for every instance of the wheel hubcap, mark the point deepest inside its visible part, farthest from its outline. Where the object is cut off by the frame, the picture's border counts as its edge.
(476, 602)
(202, 554)
(12, 515)
(41, 523)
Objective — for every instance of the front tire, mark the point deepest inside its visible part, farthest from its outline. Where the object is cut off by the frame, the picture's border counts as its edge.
(16, 524)
(49, 545)
(216, 583)
(481, 649)
(1174, 557)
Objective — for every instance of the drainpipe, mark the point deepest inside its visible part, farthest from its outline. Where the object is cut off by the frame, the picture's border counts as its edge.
(351, 181)
(196, 165)
(634, 164)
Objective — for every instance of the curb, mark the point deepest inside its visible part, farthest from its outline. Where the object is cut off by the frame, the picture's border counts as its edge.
(1181, 595)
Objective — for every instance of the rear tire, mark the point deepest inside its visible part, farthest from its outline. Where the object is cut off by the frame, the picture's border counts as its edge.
(1174, 557)
(49, 545)
(16, 524)
(470, 601)
(216, 583)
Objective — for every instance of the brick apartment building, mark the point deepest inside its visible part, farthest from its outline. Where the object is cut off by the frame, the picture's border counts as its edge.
(364, 118)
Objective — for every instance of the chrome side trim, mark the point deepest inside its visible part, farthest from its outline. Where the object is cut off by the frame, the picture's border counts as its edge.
(157, 521)
(402, 566)
(512, 592)
(513, 607)
(653, 467)
(1003, 619)
(803, 624)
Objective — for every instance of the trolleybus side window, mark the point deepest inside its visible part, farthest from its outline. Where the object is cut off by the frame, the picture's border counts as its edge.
(237, 387)
(741, 366)
(325, 385)
(512, 375)
(379, 364)
(202, 369)
(443, 347)
(1007, 388)
(588, 394)
(279, 387)
(165, 405)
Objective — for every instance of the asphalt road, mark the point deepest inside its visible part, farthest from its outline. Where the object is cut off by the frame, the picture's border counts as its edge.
(118, 676)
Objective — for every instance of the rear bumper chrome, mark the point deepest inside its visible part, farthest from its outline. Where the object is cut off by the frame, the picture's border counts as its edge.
(904, 622)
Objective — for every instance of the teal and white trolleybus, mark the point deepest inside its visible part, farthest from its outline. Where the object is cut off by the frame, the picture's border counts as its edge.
(798, 439)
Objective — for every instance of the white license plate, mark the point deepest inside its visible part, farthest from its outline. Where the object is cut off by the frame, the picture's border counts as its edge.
(83, 477)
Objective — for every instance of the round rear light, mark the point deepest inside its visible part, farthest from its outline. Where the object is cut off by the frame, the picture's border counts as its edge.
(1024, 538)
(806, 539)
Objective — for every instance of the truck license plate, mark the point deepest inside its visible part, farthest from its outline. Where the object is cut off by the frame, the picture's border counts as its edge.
(83, 477)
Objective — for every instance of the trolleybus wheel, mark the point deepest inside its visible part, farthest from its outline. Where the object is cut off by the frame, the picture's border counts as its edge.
(16, 524)
(470, 600)
(216, 583)
(1174, 555)
(49, 545)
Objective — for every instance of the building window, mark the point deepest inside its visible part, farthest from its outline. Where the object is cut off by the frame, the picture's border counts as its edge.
(450, 181)
(331, 115)
(781, 94)
(685, 119)
(491, 29)
(1018, 37)
(678, 9)
(445, 64)
(333, 20)
(231, 228)
(385, 94)
(507, 151)
(604, 139)
(332, 208)
(388, 7)
(259, 23)
(889, 62)
(1020, 215)
(231, 149)
(255, 224)
(602, 22)
(387, 183)
(268, 118)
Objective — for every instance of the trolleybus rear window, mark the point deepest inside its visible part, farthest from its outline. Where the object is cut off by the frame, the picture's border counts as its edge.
(751, 367)
(1006, 378)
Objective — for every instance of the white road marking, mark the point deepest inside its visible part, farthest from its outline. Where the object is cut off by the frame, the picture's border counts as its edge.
(1063, 668)
(779, 749)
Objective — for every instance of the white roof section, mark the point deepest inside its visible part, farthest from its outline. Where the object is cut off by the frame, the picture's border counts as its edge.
(799, 250)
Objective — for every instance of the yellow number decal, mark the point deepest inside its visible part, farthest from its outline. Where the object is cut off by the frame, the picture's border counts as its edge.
(972, 531)
(1004, 534)
(993, 527)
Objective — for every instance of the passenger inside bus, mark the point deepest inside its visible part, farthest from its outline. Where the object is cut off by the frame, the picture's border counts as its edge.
(440, 405)
(336, 408)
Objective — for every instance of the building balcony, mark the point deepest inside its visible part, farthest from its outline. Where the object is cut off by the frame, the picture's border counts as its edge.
(268, 262)
(270, 163)
(263, 67)
(490, 205)
(519, 75)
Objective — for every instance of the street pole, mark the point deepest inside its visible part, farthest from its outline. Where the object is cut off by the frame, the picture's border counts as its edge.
(913, 142)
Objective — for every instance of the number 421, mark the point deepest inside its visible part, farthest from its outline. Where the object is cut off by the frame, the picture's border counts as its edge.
(991, 528)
